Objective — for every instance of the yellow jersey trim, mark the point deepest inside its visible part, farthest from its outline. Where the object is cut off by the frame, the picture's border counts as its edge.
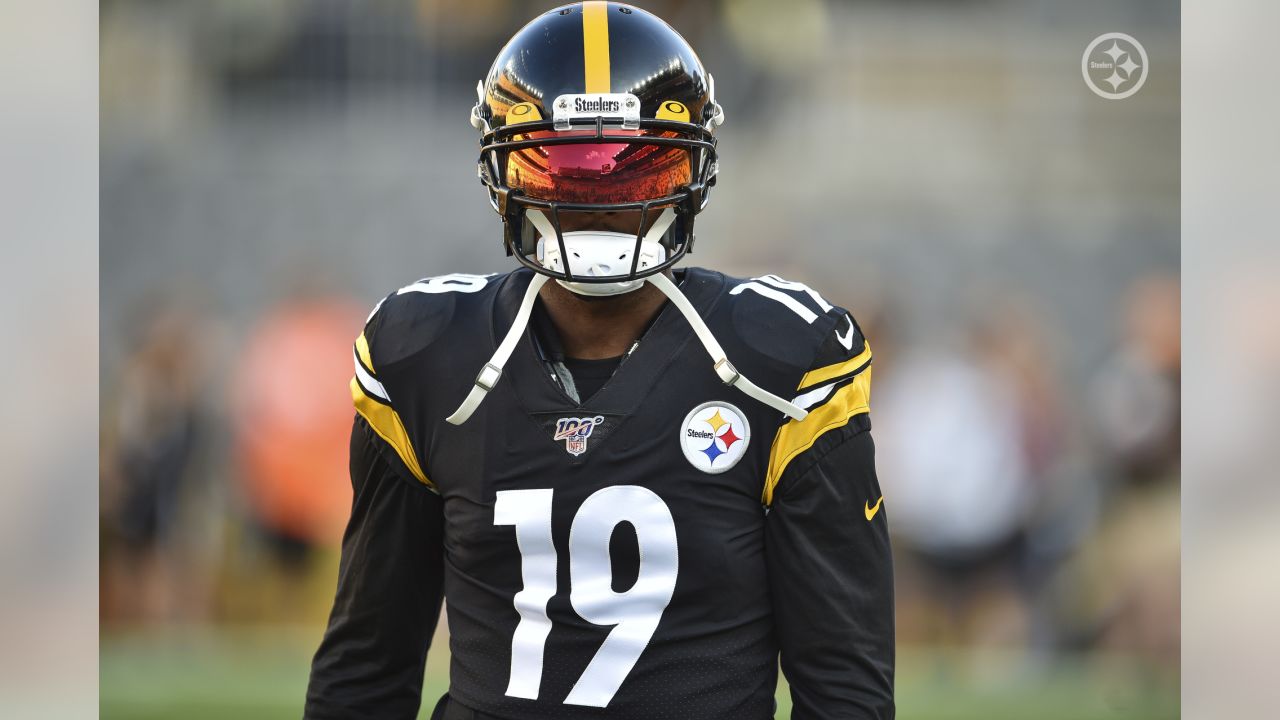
(799, 435)
(595, 46)
(386, 422)
(823, 374)
(362, 349)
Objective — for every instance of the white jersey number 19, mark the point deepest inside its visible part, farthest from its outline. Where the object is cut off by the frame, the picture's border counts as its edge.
(633, 613)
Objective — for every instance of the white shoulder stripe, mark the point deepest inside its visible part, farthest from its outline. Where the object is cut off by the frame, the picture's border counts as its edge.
(811, 398)
(367, 382)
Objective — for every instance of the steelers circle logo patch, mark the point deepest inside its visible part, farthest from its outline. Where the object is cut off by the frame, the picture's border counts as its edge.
(715, 436)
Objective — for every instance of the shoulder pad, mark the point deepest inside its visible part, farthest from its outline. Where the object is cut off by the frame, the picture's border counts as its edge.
(843, 343)
(789, 321)
(412, 318)
(827, 351)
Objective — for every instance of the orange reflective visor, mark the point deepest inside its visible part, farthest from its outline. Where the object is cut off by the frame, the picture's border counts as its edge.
(604, 172)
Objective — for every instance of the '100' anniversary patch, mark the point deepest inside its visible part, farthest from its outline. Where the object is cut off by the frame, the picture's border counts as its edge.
(575, 431)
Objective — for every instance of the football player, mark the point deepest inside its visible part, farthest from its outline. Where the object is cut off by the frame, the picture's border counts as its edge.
(636, 487)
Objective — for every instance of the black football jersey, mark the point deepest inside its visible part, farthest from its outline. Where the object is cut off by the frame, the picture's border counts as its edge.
(609, 556)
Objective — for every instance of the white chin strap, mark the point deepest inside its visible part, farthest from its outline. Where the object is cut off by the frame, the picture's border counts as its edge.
(598, 253)
(492, 370)
(728, 374)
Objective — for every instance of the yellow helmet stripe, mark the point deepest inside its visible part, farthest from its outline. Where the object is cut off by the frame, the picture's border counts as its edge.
(595, 46)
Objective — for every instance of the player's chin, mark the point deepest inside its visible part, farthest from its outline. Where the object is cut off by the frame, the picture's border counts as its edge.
(597, 299)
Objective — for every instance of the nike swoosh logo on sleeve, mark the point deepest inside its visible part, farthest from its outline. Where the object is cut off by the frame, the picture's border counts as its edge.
(869, 511)
(847, 338)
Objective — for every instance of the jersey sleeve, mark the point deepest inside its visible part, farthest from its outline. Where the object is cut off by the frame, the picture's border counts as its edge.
(827, 542)
(372, 399)
(390, 586)
(836, 392)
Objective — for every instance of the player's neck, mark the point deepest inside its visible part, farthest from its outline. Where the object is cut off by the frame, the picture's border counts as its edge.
(593, 328)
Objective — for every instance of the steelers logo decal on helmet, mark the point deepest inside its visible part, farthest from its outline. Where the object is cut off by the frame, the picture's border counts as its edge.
(715, 436)
(673, 110)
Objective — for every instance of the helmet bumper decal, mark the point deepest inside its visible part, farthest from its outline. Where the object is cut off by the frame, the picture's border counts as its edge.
(622, 108)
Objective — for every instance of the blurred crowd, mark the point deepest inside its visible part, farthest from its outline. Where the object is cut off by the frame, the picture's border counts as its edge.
(269, 170)
(1029, 512)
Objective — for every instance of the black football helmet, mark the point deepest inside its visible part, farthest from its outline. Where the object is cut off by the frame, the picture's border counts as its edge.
(597, 107)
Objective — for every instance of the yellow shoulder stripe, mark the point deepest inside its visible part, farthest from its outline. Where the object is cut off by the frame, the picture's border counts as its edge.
(799, 435)
(595, 46)
(386, 422)
(362, 349)
(823, 374)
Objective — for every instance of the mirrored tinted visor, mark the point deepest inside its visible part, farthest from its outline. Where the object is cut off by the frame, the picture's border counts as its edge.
(606, 172)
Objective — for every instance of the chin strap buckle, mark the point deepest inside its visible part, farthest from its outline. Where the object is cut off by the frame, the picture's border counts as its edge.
(488, 377)
(727, 372)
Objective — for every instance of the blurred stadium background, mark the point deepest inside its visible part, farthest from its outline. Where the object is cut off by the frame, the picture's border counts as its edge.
(1008, 240)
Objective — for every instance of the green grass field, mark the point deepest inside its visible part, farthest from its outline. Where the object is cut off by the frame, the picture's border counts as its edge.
(261, 673)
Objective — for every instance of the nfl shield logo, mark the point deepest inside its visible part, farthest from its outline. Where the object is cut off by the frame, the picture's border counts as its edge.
(575, 431)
